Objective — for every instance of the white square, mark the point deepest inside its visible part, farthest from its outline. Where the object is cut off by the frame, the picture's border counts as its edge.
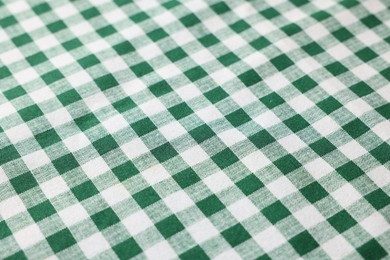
(149, 51)
(145, 5)
(264, 27)
(281, 187)
(202, 57)
(115, 123)
(96, 101)
(332, 85)
(76, 142)
(346, 195)
(47, 42)
(95, 167)
(73, 214)
(94, 245)
(308, 65)
(11, 207)
(42, 95)
(384, 91)
(309, 217)
(346, 18)
(28, 236)
(255, 161)
(234, 42)
(188, 92)
(172, 130)
(317, 31)
(115, 64)
(255, 59)
(195, 5)
(292, 143)
(267, 119)
(54, 187)
(178, 201)
(155, 174)
(209, 114)
(3, 177)
(318, 168)
(222, 76)
(337, 247)
(374, 6)
(375, 224)
(295, 15)
(161, 251)
(79, 78)
(18, 6)
(300, 103)
(270, 239)
(169, 71)
(244, 97)
(134, 148)
(358, 107)
(202, 230)
(339, 51)
(364, 72)
(229, 254)
(26, 76)
(380, 176)
(368, 37)
(137, 222)
(62, 60)
(164, 19)
(231, 137)
(115, 16)
(6, 110)
(18, 133)
(36, 159)
(325, 126)
(286, 45)
(81, 28)
(65, 11)
(194, 155)
(244, 10)
(218, 182)
(213, 24)
(11, 56)
(277, 81)
(243, 209)
(324, 4)
(182, 37)
(31, 24)
(132, 32)
(115, 194)
(152, 107)
(352, 150)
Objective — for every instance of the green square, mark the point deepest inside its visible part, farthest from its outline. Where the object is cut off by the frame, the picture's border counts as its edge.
(350, 171)
(272, 100)
(105, 144)
(202, 133)
(124, 104)
(164, 152)
(303, 243)
(270, 13)
(106, 82)
(372, 250)
(8, 21)
(236, 235)
(195, 73)
(208, 40)
(4, 72)
(304, 84)
(296, 123)
(61, 240)
(349, 3)
(24, 182)
(141, 69)
(382, 153)
(124, 48)
(90, 13)
(4, 230)
(143, 126)
(8, 153)
(41, 8)
(329, 105)
(18, 255)
(260, 43)
(342, 35)
(171, 4)
(186, 178)
(169, 226)
(65, 163)
(160, 88)
(314, 192)
(85, 190)
(240, 26)
(86, 121)
(210, 205)
(313, 49)
(356, 128)
(42, 211)
(371, 21)
(287, 164)
(276, 212)
(176, 54)
(69, 97)
(146, 197)
(336, 68)
(322, 147)
(386, 73)
(220, 8)
(194, 253)
(190, 20)
(106, 31)
(180, 111)
(14, 92)
(21, 40)
(56, 26)
(72, 44)
(361, 89)
(366, 54)
(225, 158)
(125, 171)
(47, 138)
(216, 94)
(36, 58)
(262, 139)
(88, 61)
(299, 3)
(157, 34)
(378, 199)
(249, 184)
(52, 76)
(105, 218)
(238, 117)
(384, 110)
(342, 221)
(127, 249)
(228, 59)
(139, 17)
(249, 77)
(282, 62)
(291, 29)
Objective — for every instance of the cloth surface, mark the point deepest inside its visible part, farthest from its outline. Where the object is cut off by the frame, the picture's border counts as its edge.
(194, 129)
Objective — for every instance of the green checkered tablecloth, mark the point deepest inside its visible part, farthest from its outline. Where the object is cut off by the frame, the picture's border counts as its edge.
(195, 129)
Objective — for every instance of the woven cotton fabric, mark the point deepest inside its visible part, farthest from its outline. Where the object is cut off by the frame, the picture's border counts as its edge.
(194, 129)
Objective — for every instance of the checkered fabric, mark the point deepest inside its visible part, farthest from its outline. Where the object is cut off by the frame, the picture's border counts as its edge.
(195, 129)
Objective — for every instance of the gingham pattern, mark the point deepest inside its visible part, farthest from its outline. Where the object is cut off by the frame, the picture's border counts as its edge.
(194, 129)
